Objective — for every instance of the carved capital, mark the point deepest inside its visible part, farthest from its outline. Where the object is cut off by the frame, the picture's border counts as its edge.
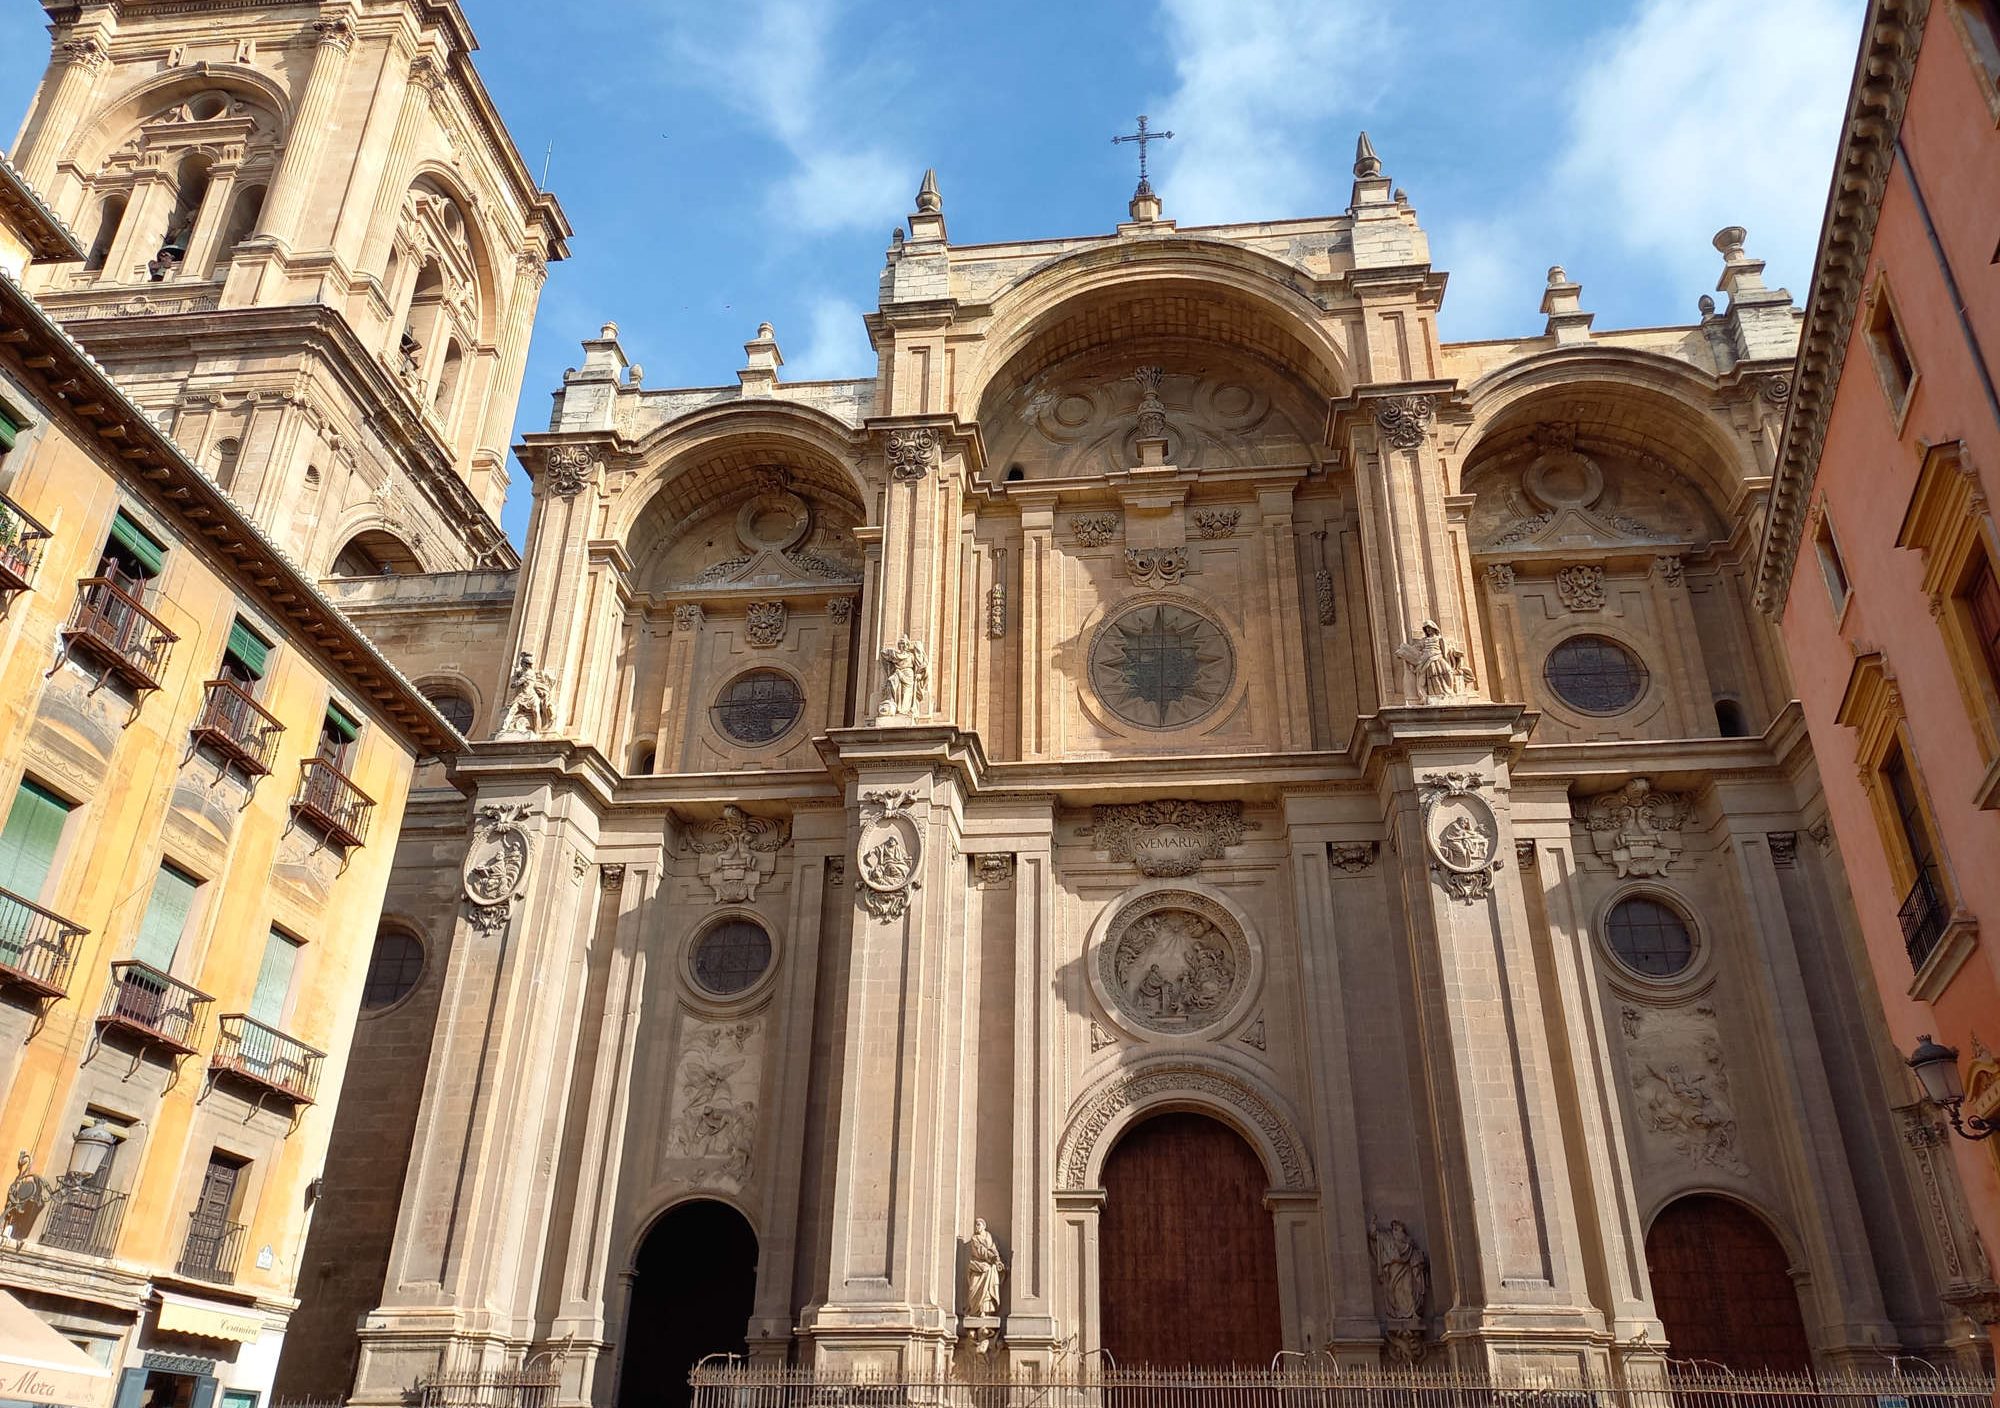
(1405, 421)
(912, 453)
(335, 32)
(1352, 857)
(567, 469)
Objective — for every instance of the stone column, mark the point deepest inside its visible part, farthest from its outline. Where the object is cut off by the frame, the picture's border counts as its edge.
(478, 1206)
(387, 109)
(1281, 614)
(146, 214)
(80, 57)
(918, 528)
(552, 612)
(1032, 1327)
(676, 697)
(211, 222)
(888, 1304)
(1036, 615)
(285, 204)
(423, 86)
(1508, 1262)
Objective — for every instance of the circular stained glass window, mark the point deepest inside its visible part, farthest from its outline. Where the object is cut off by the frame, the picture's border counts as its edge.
(1649, 937)
(731, 956)
(393, 969)
(1595, 674)
(1161, 665)
(759, 706)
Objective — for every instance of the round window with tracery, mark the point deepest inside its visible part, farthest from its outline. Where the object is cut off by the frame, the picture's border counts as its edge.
(731, 956)
(1161, 666)
(1649, 937)
(1595, 674)
(759, 706)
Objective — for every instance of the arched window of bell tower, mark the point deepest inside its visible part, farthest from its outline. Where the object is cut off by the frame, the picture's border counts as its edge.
(111, 215)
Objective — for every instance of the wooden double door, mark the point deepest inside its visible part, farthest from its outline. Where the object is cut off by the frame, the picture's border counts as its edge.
(1187, 1254)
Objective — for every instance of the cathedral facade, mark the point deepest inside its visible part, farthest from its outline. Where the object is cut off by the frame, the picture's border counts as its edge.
(1184, 819)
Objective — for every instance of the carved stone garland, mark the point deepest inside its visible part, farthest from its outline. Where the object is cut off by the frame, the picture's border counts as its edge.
(889, 853)
(1460, 833)
(495, 870)
(1217, 522)
(1156, 567)
(996, 597)
(1094, 530)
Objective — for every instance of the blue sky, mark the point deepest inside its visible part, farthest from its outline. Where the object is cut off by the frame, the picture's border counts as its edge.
(729, 164)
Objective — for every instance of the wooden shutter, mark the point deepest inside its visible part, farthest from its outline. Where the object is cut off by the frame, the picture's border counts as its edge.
(9, 430)
(28, 841)
(166, 918)
(274, 978)
(248, 649)
(145, 549)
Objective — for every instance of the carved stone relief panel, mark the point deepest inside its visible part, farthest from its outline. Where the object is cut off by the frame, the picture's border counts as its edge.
(1167, 837)
(712, 1120)
(737, 853)
(1461, 834)
(1680, 1084)
(1173, 963)
(1637, 829)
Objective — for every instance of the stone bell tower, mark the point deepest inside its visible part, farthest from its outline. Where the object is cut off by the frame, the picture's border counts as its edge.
(314, 257)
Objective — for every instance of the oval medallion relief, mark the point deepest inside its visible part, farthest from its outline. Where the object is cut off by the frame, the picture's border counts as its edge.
(1174, 962)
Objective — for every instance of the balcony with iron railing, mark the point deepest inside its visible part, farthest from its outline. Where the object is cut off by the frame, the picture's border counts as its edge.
(329, 800)
(155, 1008)
(266, 1057)
(37, 946)
(237, 726)
(110, 622)
(1923, 916)
(83, 1219)
(212, 1249)
(21, 539)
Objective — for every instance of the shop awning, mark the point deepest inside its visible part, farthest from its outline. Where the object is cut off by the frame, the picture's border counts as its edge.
(37, 1365)
(212, 1322)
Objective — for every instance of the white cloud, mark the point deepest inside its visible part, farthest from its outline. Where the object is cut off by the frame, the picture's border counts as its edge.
(1704, 113)
(1493, 287)
(1254, 76)
(836, 345)
(768, 60)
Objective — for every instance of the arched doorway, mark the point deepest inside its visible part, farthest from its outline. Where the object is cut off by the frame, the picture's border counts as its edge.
(696, 1281)
(1722, 1287)
(1187, 1258)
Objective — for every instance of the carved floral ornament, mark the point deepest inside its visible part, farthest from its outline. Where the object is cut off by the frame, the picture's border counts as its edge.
(1405, 421)
(913, 454)
(1581, 586)
(495, 871)
(1094, 530)
(1167, 838)
(888, 854)
(568, 469)
(1156, 567)
(737, 853)
(1184, 1082)
(1461, 834)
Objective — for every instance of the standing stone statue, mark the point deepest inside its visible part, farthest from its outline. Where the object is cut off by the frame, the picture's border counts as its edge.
(1439, 665)
(983, 1270)
(905, 673)
(530, 700)
(1401, 1269)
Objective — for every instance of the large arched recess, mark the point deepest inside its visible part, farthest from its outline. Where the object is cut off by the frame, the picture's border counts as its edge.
(1723, 1285)
(1178, 286)
(91, 146)
(713, 453)
(694, 1283)
(1599, 389)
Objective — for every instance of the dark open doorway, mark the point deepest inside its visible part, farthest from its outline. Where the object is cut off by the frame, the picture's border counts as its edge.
(696, 1282)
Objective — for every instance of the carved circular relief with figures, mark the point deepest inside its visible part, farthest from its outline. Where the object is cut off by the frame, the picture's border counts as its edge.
(1174, 962)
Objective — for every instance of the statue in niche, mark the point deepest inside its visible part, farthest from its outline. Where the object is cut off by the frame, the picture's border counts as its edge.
(983, 1270)
(1438, 663)
(1401, 1269)
(530, 701)
(904, 675)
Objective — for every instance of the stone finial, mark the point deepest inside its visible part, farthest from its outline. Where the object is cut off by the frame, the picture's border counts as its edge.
(1760, 320)
(927, 223)
(608, 331)
(1562, 304)
(760, 371)
(1706, 303)
(1740, 273)
(1144, 206)
(1367, 166)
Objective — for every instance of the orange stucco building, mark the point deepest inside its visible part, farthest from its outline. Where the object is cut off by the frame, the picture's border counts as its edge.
(1883, 561)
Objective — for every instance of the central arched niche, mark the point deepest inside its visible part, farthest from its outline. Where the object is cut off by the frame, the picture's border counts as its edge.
(1240, 386)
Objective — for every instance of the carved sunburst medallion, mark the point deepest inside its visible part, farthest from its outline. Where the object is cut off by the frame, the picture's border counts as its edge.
(1161, 666)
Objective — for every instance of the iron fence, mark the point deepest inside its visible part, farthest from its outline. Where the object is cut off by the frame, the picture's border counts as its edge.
(1321, 1386)
(533, 1387)
(83, 1220)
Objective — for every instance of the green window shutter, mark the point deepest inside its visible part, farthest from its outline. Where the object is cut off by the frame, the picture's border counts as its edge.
(339, 721)
(249, 649)
(166, 918)
(274, 978)
(28, 841)
(9, 430)
(137, 541)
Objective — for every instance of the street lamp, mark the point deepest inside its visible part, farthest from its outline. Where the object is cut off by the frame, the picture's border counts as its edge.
(93, 1144)
(1937, 1072)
